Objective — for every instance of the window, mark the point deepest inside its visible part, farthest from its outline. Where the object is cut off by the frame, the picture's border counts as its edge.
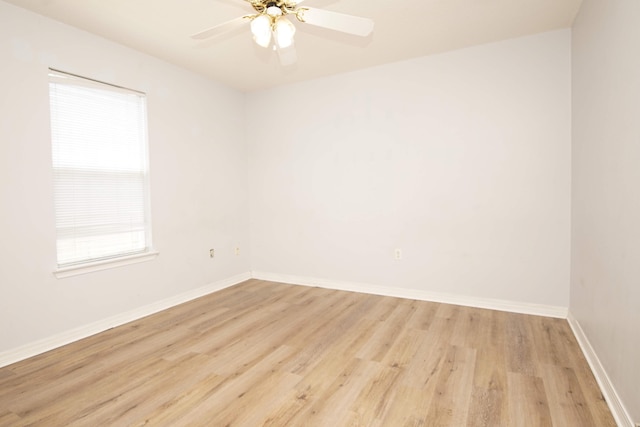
(100, 171)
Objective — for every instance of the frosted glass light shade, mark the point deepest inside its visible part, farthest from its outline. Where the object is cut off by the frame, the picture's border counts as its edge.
(274, 11)
(261, 30)
(284, 31)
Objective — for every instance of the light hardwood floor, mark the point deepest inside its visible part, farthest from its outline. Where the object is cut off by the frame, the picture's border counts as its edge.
(264, 353)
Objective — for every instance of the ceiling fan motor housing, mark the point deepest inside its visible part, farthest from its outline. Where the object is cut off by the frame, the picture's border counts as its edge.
(273, 7)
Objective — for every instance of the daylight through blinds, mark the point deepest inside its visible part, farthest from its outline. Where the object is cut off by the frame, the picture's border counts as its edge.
(100, 168)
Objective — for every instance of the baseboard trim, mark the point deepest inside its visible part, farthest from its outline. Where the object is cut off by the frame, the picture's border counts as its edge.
(50, 343)
(492, 304)
(618, 410)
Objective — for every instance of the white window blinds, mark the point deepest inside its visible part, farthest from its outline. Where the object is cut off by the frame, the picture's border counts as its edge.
(100, 170)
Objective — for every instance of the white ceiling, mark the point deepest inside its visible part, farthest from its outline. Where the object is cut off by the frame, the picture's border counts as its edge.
(403, 29)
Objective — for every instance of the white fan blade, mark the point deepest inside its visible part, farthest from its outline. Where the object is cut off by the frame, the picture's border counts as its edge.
(337, 21)
(287, 55)
(220, 29)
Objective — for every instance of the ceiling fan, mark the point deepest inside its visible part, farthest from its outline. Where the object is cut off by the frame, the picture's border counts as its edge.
(270, 26)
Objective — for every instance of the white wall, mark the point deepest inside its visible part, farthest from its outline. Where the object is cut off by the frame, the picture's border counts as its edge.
(462, 160)
(605, 291)
(198, 163)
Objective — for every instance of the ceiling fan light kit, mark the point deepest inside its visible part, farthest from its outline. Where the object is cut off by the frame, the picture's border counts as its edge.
(265, 27)
(270, 23)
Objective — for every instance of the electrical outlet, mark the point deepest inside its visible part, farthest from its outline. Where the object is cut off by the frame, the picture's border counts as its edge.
(212, 253)
(237, 250)
(397, 253)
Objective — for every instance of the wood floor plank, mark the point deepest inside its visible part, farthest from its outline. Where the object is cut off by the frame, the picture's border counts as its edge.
(54, 408)
(522, 352)
(326, 330)
(529, 405)
(553, 338)
(229, 399)
(409, 408)
(487, 407)
(489, 400)
(387, 332)
(376, 396)
(174, 410)
(567, 402)
(251, 407)
(450, 404)
(423, 315)
(471, 324)
(6, 374)
(592, 393)
(135, 398)
(266, 353)
(423, 370)
(9, 419)
(330, 406)
(404, 349)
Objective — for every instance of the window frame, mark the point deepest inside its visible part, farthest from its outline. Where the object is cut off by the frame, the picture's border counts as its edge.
(115, 258)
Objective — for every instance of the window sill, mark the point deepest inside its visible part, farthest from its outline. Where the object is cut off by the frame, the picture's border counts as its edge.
(77, 270)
